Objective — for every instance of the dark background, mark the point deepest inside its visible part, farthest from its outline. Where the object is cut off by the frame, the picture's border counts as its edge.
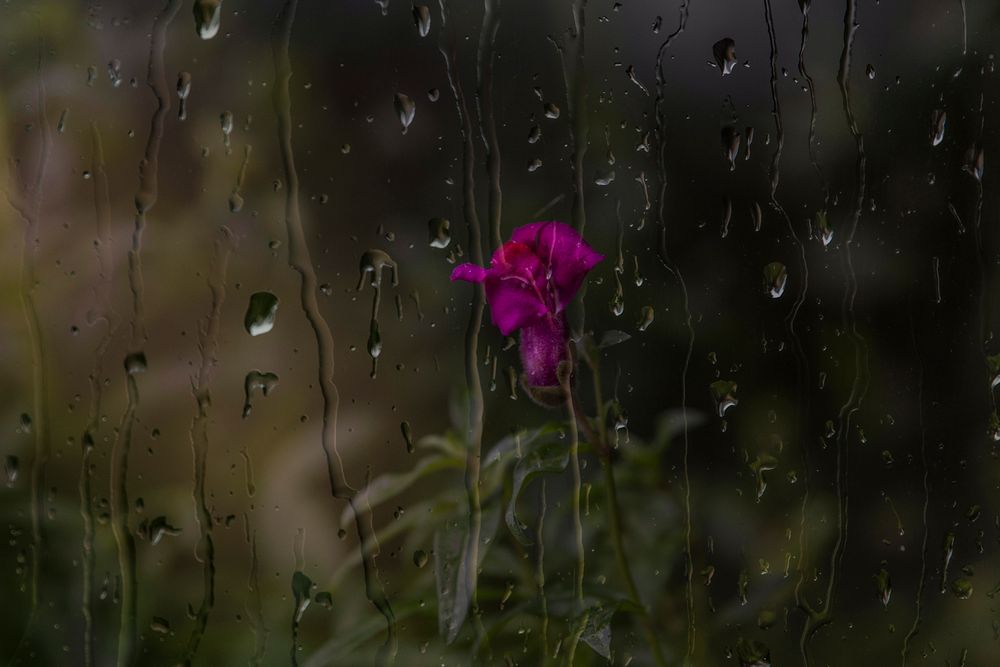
(910, 458)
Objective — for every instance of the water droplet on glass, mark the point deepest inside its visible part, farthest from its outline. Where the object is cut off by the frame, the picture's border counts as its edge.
(724, 52)
(404, 428)
(731, 144)
(256, 381)
(183, 91)
(938, 120)
(604, 178)
(775, 276)
(207, 17)
(115, 72)
(405, 109)
(422, 19)
(11, 467)
(439, 232)
(883, 585)
(724, 393)
(261, 312)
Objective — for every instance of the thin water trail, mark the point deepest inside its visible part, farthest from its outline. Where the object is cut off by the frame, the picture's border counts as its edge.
(208, 346)
(485, 63)
(813, 108)
(102, 312)
(801, 360)
(982, 331)
(255, 606)
(575, 82)
(300, 261)
(135, 359)
(674, 269)
(859, 385)
(25, 197)
(925, 474)
(473, 385)
(540, 569)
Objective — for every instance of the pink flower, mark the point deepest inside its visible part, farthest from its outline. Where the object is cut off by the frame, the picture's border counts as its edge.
(530, 281)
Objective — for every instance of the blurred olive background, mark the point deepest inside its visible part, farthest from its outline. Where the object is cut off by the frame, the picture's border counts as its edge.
(868, 458)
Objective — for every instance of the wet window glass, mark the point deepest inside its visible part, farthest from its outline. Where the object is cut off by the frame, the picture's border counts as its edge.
(499, 333)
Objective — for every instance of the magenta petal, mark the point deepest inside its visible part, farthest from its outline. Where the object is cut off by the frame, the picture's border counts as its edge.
(543, 347)
(567, 255)
(513, 302)
(469, 272)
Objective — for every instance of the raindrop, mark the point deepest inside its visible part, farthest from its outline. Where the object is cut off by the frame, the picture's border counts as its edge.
(261, 312)
(207, 17)
(757, 215)
(439, 232)
(962, 588)
(883, 585)
(825, 230)
(302, 591)
(724, 52)
(775, 276)
(551, 111)
(645, 318)
(938, 120)
(257, 381)
(404, 428)
(422, 19)
(730, 144)
(405, 109)
(183, 90)
(159, 625)
(115, 72)
(135, 363)
(226, 123)
(752, 653)
(724, 393)
(372, 264)
(11, 467)
(604, 178)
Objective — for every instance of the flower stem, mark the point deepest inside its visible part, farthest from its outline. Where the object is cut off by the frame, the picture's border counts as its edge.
(614, 515)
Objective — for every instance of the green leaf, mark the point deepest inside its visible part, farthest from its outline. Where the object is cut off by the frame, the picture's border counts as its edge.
(613, 337)
(548, 457)
(597, 632)
(454, 570)
(386, 486)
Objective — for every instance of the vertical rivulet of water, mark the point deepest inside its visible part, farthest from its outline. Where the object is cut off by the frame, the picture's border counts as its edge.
(485, 64)
(24, 195)
(101, 313)
(801, 360)
(473, 385)
(300, 261)
(135, 360)
(208, 345)
(663, 250)
(804, 5)
(816, 619)
(925, 474)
